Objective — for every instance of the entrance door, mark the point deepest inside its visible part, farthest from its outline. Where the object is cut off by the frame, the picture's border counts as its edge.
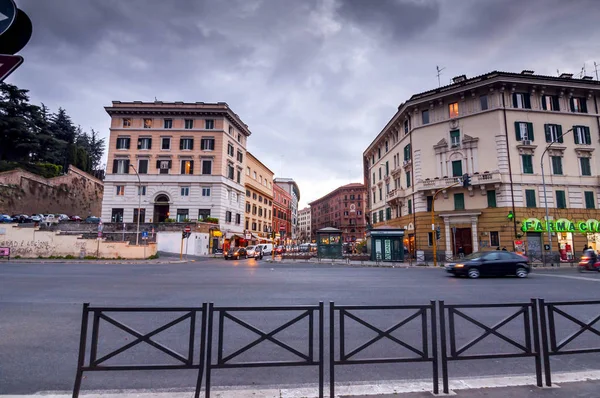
(161, 208)
(463, 238)
(534, 246)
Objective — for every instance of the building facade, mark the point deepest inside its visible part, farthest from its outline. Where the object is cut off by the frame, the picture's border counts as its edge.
(344, 209)
(290, 186)
(259, 199)
(282, 213)
(304, 230)
(189, 158)
(495, 128)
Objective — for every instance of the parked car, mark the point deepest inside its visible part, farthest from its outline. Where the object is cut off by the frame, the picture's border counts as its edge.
(76, 218)
(280, 250)
(21, 218)
(37, 218)
(5, 218)
(236, 253)
(62, 217)
(254, 251)
(50, 218)
(92, 220)
(495, 263)
(266, 248)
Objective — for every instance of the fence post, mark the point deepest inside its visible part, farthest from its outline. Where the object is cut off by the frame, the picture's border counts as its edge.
(202, 350)
(321, 349)
(81, 358)
(434, 347)
(209, 348)
(332, 349)
(443, 347)
(544, 331)
(536, 342)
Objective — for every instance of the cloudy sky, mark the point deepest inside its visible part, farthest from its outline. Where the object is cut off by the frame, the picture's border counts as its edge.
(315, 80)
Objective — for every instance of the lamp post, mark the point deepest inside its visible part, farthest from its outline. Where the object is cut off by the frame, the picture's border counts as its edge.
(545, 194)
(137, 233)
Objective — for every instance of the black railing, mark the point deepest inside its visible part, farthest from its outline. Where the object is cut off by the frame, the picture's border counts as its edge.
(302, 359)
(182, 361)
(548, 321)
(422, 353)
(529, 324)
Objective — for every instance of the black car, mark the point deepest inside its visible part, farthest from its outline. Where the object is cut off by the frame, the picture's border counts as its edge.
(496, 263)
(236, 253)
(92, 220)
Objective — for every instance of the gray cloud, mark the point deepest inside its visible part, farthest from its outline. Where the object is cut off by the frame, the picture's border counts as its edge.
(315, 80)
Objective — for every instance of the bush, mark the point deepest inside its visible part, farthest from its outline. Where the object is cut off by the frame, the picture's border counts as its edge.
(153, 257)
(211, 220)
(46, 170)
(170, 220)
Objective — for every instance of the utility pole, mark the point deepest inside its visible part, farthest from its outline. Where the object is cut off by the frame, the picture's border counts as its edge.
(439, 72)
(137, 233)
(433, 220)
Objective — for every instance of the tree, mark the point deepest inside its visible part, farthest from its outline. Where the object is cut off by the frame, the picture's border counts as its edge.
(96, 149)
(62, 127)
(16, 134)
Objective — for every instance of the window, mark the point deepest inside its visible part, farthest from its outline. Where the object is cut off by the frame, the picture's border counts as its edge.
(186, 143)
(459, 201)
(230, 150)
(163, 166)
(483, 102)
(374, 217)
(387, 168)
(239, 177)
(550, 103)
(494, 239)
(410, 208)
(578, 105)
(142, 215)
(457, 168)
(408, 179)
(126, 123)
(206, 166)
(207, 144)
(381, 216)
(589, 200)
(407, 153)
(429, 203)
(453, 109)
(553, 133)
(227, 216)
(165, 143)
(586, 169)
(260, 211)
(239, 138)
(388, 213)
(556, 165)
(117, 215)
(203, 214)
(147, 123)
(455, 138)
(230, 171)
(209, 124)
(254, 196)
(168, 123)
(120, 190)
(189, 124)
(521, 100)
(561, 201)
(141, 190)
(121, 166)
(233, 197)
(185, 191)
(260, 199)
(530, 200)
(527, 164)
(429, 238)
(144, 143)
(254, 225)
(248, 207)
(406, 126)
(425, 116)
(380, 174)
(524, 131)
(240, 157)
(247, 193)
(183, 215)
(238, 218)
(380, 194)
(123, 142)
(187, 167)
(254, 175)
(581, 135)
(386, 147)
(491, 198)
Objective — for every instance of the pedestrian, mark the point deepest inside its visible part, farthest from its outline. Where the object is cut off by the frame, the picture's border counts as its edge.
(504, 249)
(585, 247)
(461, 252)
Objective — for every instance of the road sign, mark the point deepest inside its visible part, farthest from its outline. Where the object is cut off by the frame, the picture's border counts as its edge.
(17, 35)
(188, 229)
(8, 63)
(8, 13)
(144, 234)
(282, 228)
(99, 234)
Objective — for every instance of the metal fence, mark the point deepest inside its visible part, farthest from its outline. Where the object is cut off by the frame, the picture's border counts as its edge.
(535, 322)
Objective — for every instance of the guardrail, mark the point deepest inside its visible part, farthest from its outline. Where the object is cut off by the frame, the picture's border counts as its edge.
(536, 320)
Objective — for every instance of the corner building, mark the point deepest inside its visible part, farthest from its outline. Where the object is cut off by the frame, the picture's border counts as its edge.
(495, 128)
(259, 199)
(190, 159)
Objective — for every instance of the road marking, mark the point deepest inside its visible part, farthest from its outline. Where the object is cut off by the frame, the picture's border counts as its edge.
(310, 391)
(582, 278)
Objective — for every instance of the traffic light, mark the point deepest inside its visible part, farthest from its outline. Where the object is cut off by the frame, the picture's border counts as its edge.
(510, 216)
(437, 233)
(185, 235)
(466, 180)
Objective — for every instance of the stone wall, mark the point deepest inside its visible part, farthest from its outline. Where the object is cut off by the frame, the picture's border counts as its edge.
(33, 243)
(75, 193)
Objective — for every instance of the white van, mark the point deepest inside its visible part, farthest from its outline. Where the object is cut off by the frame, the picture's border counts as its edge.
(267, 248)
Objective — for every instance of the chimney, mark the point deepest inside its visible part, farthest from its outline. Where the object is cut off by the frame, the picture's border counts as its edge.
(459, 79)
(566, 75)
(526, 72)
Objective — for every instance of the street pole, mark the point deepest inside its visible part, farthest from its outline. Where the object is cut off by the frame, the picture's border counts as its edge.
(433, 220)
(546, 195)
(137, 233)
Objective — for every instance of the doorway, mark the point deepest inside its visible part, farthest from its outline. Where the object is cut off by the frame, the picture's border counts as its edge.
(161, 208)
(462, 238)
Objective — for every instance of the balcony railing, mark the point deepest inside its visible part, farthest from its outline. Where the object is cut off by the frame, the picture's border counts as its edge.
(394, 195)
(493, 177)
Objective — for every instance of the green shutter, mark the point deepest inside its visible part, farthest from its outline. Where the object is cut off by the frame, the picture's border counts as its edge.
(547, 131)
(585, 166)
(527, 164)
(560, 200)
(527, 101)
(559, 133)
(410, 206)
(589, 200)
(583, 105)
(572, 104)
(530, 198)
(491, 198)
(518, 130)
(556, 103)
(544, 107)
(575, 135)
(457, 168)
(459, 201)
(514, 98)
(588, 136)
(530, 131)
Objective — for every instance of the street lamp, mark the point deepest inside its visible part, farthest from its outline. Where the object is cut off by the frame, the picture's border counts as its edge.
(544, 187)
(137, 234)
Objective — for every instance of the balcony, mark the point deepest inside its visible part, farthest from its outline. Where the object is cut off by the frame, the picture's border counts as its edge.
(485, 178)
(395, 196)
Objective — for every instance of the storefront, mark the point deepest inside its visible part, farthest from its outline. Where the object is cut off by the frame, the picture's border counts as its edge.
(386, 244)
(593, 241)
(565, 246)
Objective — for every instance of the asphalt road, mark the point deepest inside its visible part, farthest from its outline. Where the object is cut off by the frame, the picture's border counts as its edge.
(40, 317)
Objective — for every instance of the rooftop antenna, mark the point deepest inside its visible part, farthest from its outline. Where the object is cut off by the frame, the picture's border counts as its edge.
(439, 72)
(582, 73)
(557, 72)
(596, 70)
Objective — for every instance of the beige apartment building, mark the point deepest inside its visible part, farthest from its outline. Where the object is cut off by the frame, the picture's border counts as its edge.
(259, 200)
(495, 128)
(190, 161)
(304, 220)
